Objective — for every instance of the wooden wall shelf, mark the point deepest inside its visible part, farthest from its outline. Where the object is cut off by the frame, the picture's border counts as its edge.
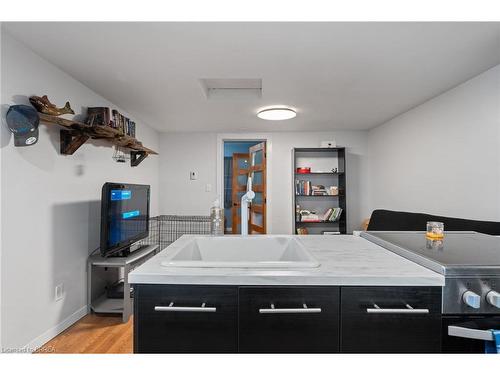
(76, 133)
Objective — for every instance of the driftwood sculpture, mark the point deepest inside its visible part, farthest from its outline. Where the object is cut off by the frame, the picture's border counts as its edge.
(43, 105)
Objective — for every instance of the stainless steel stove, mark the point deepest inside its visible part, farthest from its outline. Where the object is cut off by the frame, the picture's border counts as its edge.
(470, 263)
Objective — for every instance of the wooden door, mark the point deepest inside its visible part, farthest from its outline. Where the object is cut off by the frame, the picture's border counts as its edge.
(257, 217)
(238, 187)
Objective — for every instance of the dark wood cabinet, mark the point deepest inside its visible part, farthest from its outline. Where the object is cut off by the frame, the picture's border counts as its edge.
(289, 319)
(185, 319)
(286, 319)
(391, 319)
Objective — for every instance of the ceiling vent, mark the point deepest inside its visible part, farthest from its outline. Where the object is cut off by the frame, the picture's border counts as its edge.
(232, 88)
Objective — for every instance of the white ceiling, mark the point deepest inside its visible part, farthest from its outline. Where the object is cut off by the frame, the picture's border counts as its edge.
(337, 75)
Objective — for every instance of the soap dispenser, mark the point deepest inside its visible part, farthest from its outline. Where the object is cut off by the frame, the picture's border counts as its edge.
(216, 219)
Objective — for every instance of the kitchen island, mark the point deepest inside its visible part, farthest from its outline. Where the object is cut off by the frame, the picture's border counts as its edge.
(361, 298)
(344, 260)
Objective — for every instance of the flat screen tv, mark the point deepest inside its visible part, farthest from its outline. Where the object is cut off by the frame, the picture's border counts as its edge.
(124, 217)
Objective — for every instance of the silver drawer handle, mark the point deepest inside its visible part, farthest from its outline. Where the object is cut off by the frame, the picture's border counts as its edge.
(171, 307)
(303, 310)
(409, 310)
(470, 333)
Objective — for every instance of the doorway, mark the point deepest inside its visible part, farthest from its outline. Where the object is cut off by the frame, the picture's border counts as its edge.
(243, 158)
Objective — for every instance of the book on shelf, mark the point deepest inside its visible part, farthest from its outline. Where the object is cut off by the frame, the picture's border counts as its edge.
(336, 214)
(98, 116)
(116, 119)
(304, 187)
(330, 215)
(327, 214)
(320, 190)
(122, 123)
(132, 129)
(311, 218)
(306, 216)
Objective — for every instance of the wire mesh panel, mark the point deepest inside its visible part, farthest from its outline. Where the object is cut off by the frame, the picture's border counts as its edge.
(154, 232)
(172, 227)
(165, 229)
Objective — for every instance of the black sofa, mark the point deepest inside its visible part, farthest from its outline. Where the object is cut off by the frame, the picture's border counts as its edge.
(411, 221)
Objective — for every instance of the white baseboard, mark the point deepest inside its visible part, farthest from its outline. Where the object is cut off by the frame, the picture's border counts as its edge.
(54, 331)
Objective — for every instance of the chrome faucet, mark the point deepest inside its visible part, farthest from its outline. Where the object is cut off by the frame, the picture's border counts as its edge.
(245, 199)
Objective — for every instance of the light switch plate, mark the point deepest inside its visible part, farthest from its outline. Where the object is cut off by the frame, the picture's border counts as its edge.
(193, 175)
(208, 188)
(59, 292)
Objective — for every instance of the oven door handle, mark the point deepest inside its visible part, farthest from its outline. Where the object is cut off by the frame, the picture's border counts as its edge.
(376, 309)
(470, 333)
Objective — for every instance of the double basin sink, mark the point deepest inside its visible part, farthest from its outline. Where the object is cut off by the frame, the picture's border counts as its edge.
(239, 252)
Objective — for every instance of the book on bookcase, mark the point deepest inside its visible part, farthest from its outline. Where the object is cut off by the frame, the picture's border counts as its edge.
(305, 187)
(332, 214)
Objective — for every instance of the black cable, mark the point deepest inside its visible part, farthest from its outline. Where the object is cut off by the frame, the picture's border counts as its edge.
(94, 250)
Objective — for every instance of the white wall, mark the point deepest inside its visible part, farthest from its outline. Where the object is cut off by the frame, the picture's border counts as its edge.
(184, 152)
(1, 143)
(181, 153)
(50, 203)
(442, 157)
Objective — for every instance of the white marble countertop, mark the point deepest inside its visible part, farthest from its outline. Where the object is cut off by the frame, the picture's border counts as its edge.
(345, 260)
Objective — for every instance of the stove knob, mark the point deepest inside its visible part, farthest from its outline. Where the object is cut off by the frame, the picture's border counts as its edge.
(493, 298)
(471, 299)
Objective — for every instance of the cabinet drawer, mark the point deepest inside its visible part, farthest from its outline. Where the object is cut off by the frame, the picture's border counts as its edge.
(185, 319)
(391, 319)
(289, 319)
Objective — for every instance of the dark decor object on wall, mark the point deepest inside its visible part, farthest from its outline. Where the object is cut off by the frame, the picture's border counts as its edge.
(43, 104)
(75, 133)
(23, 121)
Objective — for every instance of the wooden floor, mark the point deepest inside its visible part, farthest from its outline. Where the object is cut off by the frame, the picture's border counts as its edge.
(93, 334)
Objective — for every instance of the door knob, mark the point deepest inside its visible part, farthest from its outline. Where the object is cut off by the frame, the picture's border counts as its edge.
(472, 299)
(493, 298)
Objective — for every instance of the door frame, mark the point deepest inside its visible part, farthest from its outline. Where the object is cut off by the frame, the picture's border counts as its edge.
(242, 137)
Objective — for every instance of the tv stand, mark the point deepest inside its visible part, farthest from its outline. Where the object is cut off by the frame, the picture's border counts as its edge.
(122, 260)
(121, 254)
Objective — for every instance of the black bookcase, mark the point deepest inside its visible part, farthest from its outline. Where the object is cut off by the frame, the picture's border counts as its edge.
(328, 168)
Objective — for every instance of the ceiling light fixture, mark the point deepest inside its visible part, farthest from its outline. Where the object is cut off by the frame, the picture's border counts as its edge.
(277, 113)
